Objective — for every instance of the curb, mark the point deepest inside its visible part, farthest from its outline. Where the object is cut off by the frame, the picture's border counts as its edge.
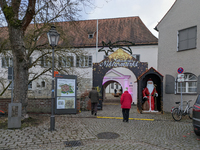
(122, 118)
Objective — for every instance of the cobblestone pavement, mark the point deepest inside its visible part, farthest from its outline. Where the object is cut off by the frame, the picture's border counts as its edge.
(161, 134)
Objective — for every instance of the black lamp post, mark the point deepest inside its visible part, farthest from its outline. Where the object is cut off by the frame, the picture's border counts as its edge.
(53, 38)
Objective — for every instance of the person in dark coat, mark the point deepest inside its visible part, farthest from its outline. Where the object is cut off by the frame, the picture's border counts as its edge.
(94, 97)
(115, 91)
(126, 100)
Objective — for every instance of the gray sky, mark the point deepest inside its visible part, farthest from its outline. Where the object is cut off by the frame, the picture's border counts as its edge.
(149, 11)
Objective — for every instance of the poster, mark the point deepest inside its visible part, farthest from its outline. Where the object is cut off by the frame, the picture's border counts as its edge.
(65, 102)
(66, 87)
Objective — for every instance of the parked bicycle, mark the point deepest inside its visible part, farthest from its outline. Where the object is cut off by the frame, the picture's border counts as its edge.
(177, 113)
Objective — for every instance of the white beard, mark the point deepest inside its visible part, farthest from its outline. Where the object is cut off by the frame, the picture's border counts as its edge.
(150, 88)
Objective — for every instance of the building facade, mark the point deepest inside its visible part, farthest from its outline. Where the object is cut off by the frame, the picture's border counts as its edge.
(98, 39)
(179, 47)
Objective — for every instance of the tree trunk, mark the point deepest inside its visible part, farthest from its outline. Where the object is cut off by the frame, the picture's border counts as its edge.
(20, 63)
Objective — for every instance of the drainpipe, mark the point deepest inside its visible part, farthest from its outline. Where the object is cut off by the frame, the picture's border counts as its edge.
(97, 41)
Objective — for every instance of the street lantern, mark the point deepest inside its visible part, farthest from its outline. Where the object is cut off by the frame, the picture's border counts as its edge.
(53, 38)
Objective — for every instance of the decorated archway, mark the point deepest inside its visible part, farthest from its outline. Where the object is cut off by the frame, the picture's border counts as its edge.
(117, 59)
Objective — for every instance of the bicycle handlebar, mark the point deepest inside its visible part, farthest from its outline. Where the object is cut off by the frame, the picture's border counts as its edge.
(184, 101)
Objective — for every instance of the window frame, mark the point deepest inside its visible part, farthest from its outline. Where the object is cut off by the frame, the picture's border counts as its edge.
(185, 84)
(30, 86)
(84, 61)
(6, 62)
(67, 61)
(117, 86)
(45, 63)
(188, 39)
(136, 56)
(112, 85)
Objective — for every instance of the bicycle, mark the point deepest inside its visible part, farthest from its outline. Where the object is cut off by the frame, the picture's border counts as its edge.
(177, 113)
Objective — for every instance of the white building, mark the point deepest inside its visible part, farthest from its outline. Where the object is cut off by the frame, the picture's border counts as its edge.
(96, 38)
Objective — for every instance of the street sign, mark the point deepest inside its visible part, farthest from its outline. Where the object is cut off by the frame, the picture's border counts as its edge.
(180, 70)
(10, 73)
(180, 78)
(55, 73)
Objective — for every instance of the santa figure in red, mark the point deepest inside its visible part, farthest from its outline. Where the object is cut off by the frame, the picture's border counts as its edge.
(149, 92)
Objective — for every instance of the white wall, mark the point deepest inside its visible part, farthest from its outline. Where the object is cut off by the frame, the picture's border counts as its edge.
(147, 54)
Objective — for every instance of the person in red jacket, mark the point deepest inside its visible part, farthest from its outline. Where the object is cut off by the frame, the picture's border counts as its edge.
(126, 101)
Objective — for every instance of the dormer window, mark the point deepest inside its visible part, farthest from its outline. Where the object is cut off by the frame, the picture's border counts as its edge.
(90, 36)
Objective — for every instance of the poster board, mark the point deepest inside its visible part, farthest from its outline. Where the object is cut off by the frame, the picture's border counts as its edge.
(65, 94)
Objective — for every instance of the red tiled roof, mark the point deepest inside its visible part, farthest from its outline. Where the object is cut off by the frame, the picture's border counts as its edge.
(4, 37)
(109, 30)
(130, 29)
(152, 68)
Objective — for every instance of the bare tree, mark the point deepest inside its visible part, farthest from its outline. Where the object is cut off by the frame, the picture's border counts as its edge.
(23, 41)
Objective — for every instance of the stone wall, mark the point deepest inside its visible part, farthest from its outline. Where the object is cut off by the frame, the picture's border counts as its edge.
(85, 102)
(42, 105)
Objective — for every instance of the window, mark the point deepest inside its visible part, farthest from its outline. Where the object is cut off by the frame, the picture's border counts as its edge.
(66, 61)
(43, 84)
(136, 56)
(117, 86)
(30, 60)
(45, 62)
(187, 38)
(189, 85)
(6, 62)
(90, 36)
(29, 85)
(84, 61)
(10, 86)
(198, 100)
(112, 85)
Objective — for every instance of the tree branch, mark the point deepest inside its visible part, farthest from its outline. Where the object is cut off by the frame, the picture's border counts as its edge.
(5, 89)
(35, 77)
(30, 12)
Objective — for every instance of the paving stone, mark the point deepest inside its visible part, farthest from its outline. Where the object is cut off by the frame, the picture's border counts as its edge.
(161, 134)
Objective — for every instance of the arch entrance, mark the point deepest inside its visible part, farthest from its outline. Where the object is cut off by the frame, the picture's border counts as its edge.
(118, 59)
(109, 95)
(125, 78)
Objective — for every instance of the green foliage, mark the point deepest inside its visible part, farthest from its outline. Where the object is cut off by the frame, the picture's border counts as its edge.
(3, 123)
(9, 14)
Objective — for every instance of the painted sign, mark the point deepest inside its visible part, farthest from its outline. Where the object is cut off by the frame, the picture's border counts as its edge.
(119, 63)
(65, 102)
(66, 87)
(180, 78)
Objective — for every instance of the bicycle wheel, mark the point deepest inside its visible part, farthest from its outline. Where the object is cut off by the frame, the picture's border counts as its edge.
(190, 111)
(176, 114)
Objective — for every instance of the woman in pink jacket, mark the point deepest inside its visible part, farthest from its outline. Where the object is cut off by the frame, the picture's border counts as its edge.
(125, 101)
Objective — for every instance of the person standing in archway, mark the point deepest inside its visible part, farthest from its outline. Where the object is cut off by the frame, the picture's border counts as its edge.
(126, 100)
(149, 92)
(94, 97)
(115, 91)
